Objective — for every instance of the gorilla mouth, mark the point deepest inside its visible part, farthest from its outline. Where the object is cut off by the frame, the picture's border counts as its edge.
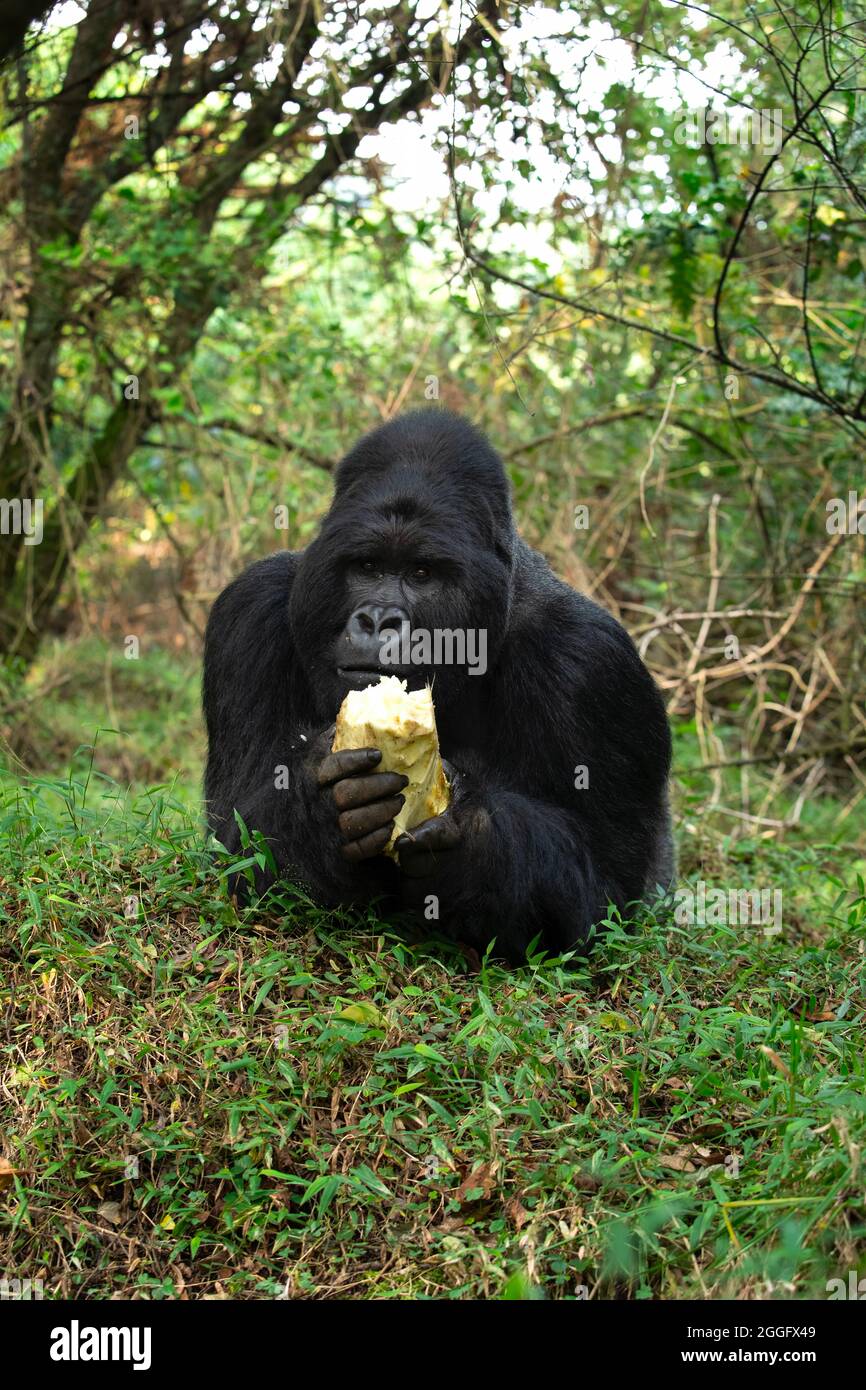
(366, 675)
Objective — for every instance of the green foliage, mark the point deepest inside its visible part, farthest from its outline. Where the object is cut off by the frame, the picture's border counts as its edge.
(283, 1098)
(239, 1103)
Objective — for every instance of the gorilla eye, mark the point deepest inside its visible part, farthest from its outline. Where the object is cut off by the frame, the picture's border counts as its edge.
(421, 574)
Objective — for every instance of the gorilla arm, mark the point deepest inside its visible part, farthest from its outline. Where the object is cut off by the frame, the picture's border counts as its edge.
(524, 851)
(269, 760)
(503, 866)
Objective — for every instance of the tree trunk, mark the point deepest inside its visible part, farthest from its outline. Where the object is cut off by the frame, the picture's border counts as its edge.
(70, 158)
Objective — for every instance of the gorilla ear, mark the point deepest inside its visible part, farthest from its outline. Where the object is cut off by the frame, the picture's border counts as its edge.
(497, 531)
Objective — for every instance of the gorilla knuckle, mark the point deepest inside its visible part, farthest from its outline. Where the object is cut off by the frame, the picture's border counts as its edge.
(368, 845)
(344, 794)
(365, 819)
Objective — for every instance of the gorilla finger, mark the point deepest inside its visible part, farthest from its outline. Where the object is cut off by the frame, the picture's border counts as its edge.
(360, 791)
(440, 833)
(367, 848)
(360, 821)
(347, 763)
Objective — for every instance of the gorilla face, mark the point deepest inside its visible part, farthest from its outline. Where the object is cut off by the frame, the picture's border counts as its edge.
(412, 546)
(386, 594)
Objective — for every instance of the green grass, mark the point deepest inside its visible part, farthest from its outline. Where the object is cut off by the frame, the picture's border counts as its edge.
(143, 716)
(204, 1102)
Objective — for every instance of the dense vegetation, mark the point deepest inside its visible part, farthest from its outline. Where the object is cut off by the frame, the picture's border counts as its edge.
(628, 240)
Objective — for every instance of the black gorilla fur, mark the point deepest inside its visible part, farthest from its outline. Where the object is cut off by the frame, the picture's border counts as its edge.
(521, 853)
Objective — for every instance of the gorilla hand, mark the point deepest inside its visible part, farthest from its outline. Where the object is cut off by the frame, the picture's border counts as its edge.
(424, 851)
(427, 851)
(366, 802)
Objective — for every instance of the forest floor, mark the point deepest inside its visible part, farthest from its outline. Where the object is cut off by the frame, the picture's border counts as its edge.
(282, 1102)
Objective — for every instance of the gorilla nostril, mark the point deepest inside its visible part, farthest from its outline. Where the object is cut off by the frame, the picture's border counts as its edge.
(363, 623)
(392, 622)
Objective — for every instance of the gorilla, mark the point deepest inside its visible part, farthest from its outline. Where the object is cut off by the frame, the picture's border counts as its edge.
(556, 744)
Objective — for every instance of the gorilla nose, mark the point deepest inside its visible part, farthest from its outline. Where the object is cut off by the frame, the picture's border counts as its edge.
(373, 621)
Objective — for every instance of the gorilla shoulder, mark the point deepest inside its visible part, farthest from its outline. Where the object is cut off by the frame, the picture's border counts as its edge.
(257, 597)
(248, 639)
(567, 655)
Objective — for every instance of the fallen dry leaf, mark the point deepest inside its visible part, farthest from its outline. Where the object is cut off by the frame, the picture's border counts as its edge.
(777, 1061)
(677, 1162)
(7, 1173)
(480, 1180)
(708, 1158)
(516, 1212)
